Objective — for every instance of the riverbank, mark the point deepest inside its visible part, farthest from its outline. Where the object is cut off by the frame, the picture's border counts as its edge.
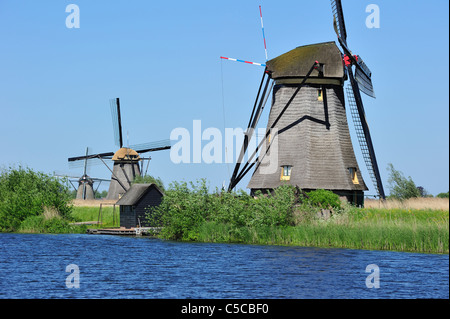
(409, 230)
(396, 229)
(423, 231)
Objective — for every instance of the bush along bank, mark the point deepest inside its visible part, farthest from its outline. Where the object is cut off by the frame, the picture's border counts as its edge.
(34, 202)
(289, 216)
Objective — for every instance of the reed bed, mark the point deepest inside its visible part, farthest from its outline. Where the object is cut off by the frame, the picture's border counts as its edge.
(414, 225)
(433, 203)
(425, 231)
(92, 202)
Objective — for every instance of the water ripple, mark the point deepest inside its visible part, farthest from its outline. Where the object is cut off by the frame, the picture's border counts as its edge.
(33, 266)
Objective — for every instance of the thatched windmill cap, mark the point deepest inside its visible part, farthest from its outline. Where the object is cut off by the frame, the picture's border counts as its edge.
(126, 154)
(297, 62)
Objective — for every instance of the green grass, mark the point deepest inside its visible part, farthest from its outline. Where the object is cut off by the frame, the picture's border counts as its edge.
(88, 214)
(42, 225)
(425, 231)
(58, 225)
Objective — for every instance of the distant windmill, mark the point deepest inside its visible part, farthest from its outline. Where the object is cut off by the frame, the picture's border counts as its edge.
(86, 183)
(126, 159)
(308, 122)
(85, 189)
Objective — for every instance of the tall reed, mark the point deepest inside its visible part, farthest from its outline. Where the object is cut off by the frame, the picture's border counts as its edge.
(362, 230)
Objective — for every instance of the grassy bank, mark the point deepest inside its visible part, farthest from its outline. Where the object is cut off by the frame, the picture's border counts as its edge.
(411, 230)
(290, 217)
(194, 214)
(91, 214)
(377, 229)
(49, 222)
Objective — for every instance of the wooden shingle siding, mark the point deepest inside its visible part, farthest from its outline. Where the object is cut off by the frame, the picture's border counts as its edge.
(127, 217)
(152, 198)
(313, 134)
(135, 203)
(125, 172)
(313, 138)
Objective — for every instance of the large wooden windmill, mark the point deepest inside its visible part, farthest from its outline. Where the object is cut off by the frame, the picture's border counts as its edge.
(126, 160)
(307, 141)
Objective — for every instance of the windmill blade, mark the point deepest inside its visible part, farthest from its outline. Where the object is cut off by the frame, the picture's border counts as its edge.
(61, 175)
(152, 146)
(100, 179)
(338, 20)
(363, 133)
(364, 77)
(254, 118)
(117, 122)
(363, 74)
(85, 160)
(91, 156)
(84, 191)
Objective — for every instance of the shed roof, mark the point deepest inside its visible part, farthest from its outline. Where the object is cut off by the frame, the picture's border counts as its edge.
(297, 62)
(135, 193)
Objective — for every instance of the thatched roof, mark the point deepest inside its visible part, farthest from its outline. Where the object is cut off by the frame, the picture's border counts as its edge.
(297, 62)
(126, 153)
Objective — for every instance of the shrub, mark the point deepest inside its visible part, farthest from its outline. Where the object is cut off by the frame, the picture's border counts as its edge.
(25, 193)
(323, 199)
(184, 209)
(274, 209)
(54, 225)
(147, 179)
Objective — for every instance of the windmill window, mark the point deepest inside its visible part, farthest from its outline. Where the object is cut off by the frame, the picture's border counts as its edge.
(320, 95)
(353, 175)
(286, 173)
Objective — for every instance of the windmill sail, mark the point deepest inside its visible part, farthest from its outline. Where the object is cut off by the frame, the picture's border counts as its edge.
(363, 134)
(364, 77)
(360, 135)
(361, 81)
(116, 120)
(152, 146)
(338, 21)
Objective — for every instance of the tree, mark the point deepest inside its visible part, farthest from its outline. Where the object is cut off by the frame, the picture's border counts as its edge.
(147, 179)
(423, 192)
(101, 194)
(443, 195)
(401, 187)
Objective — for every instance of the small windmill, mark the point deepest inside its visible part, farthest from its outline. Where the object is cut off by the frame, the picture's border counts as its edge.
(126, 160)
(307, 136)
(85, 189)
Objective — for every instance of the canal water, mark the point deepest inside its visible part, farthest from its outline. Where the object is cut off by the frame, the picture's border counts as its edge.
(53, 266)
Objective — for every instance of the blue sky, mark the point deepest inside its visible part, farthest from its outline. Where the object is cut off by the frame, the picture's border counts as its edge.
(162, 60)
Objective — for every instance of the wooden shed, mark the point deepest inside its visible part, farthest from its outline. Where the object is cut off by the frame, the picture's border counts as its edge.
(134, 203)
